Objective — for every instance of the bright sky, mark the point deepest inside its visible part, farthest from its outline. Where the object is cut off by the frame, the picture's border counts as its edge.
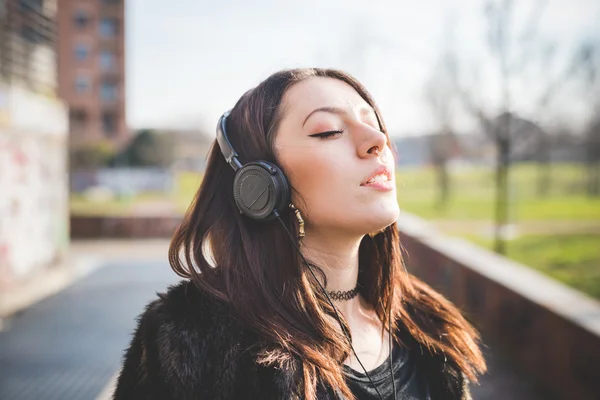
(190, 60)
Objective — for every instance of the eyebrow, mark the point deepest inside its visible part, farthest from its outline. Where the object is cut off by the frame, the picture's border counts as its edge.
(337, 111)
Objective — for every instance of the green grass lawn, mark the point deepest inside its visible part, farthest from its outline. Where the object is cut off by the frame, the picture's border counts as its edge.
(573, 259)
(472, 194)
(79, 205)
(187, 186)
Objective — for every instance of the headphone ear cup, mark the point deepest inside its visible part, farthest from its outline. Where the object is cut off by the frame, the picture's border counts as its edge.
(260, 187)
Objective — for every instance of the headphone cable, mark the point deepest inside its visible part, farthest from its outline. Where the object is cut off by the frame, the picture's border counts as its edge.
(347, 334)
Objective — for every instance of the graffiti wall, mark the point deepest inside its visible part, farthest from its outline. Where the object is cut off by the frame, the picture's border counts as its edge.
(34, 210)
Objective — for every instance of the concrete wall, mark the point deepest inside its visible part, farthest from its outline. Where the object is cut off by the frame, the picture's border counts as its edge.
(550, 332)
(34, 209)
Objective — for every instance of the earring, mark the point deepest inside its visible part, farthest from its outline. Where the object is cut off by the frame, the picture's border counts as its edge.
(301, 233)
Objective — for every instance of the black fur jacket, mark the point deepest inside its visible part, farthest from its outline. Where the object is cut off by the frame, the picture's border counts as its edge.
(189, 345)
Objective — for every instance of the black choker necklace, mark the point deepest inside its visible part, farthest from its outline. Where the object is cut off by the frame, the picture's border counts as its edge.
(344, 295)
(340, 295)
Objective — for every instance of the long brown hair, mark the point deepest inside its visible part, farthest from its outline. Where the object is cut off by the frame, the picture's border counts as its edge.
(255, 268)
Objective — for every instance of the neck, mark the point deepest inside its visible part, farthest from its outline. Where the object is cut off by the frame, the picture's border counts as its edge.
(338, 258)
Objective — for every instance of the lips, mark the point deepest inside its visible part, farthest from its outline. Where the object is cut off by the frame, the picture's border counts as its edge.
(380, 175)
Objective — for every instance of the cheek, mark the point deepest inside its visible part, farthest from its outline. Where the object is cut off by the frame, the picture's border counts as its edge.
(320, 179)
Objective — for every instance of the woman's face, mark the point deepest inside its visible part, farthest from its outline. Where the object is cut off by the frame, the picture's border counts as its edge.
(333, 153)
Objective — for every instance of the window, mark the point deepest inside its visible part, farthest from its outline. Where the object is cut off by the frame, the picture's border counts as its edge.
(82, 84)
(81, 19)
(107, 60)
(31, 5)
(82, 51)
(108, 27)
(109, 123)
(108, 91)
(78, 119)
(31, 35)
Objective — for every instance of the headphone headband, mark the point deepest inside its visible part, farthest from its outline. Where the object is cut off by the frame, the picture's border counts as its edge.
(231, 156)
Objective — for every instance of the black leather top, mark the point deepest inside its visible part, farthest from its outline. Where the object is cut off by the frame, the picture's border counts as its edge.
(410, 383)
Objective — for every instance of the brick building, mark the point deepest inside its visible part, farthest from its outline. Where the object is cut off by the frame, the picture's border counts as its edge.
(91, 69)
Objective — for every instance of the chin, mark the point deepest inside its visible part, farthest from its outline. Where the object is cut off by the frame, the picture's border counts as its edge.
(381, 218)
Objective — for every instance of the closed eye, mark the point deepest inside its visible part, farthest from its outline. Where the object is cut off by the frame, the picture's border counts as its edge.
(327, 134)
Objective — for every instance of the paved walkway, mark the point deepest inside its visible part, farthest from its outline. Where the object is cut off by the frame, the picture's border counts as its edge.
(69, 346)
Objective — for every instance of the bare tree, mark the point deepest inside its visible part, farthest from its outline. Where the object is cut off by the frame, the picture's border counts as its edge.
(440, 96)
(593, 155)
(544, 53)
(498, 17)
(513, 51)
(587, 63)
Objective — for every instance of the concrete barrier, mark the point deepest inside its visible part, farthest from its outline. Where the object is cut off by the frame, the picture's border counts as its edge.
(549, 331)
(116, 227)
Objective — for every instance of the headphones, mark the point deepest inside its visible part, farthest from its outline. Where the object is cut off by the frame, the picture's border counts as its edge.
(260, 189)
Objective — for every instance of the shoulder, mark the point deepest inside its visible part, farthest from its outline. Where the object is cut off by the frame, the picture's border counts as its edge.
(185, 302)
(197, 345)
(186, 344)
(186, 312)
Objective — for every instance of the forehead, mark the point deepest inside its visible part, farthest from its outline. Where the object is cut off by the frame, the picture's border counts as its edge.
(315, 92)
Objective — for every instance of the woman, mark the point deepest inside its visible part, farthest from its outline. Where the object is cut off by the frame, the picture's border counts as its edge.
(265, 314)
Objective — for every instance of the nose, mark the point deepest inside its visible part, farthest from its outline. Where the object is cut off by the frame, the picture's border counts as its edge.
(371, 143)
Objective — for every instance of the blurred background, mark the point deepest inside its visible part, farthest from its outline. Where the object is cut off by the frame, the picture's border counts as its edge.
(108, 109)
